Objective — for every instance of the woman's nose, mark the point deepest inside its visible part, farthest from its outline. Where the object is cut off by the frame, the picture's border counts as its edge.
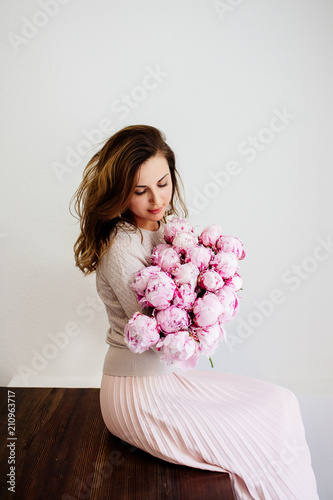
(154, 198)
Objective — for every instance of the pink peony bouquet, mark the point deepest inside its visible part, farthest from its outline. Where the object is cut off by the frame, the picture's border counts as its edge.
(192, 286)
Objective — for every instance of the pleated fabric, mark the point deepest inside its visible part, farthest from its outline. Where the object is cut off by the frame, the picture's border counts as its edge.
(219, 422)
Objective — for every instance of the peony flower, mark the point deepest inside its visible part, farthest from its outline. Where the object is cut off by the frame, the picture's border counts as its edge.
(172, 319)
(191, 288)
(209, 337)
(207, 309)
(141, 333)
(210, 280)
(175, 226)
(179, 348)
(231, 244)
(226, 264)
(186, 274)
(141, 279)
(183, 241)
(235, 282)
(200, 256)
(166, 257)
(143, 302)
(160, 290)
(184, 297)
(210, 235)
(229, 301)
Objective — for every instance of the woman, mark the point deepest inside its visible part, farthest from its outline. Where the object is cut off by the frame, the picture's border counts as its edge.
(205, 419)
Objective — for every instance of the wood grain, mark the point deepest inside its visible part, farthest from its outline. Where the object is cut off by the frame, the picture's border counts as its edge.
(64, 451)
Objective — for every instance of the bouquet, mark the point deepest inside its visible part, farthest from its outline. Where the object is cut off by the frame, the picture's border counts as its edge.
(192, 286)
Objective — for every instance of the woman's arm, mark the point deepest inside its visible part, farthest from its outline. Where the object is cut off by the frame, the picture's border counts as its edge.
(117, 271)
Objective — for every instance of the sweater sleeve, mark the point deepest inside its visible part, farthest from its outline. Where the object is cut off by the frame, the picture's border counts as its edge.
(118, 268)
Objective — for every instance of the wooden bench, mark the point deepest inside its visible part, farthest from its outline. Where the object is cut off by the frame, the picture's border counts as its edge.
(64, 451)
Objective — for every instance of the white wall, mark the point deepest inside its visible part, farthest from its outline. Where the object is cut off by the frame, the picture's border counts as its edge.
(212, 78)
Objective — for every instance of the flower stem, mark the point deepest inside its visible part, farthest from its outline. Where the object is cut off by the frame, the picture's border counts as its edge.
(211, 362)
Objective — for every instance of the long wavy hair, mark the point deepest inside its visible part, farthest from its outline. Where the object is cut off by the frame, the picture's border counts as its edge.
(109, 179)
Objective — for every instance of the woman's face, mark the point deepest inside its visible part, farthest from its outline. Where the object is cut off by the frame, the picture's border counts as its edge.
(152, 193)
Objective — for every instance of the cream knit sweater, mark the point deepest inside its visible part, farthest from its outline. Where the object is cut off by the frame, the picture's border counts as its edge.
(116, 271)
(114, 274)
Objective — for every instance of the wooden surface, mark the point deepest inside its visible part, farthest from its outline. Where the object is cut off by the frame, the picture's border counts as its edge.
(64, 451)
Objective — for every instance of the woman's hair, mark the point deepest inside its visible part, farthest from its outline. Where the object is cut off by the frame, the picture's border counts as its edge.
(109, 179)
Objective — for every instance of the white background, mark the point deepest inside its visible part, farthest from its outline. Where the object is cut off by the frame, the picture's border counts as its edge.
(73, 68)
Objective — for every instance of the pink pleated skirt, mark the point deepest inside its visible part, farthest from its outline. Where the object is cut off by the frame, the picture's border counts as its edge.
(219, 422)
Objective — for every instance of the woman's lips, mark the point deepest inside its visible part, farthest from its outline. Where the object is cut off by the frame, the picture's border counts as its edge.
(155, 211)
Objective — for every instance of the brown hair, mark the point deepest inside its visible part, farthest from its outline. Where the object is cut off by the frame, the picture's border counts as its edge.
(107, 185)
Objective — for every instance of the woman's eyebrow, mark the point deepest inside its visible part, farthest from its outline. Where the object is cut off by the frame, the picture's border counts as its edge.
(157, 181)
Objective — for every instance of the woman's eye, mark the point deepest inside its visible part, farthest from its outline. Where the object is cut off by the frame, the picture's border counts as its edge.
(143, 192)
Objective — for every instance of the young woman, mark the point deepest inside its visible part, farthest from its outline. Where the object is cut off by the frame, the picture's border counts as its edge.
(205, 419)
